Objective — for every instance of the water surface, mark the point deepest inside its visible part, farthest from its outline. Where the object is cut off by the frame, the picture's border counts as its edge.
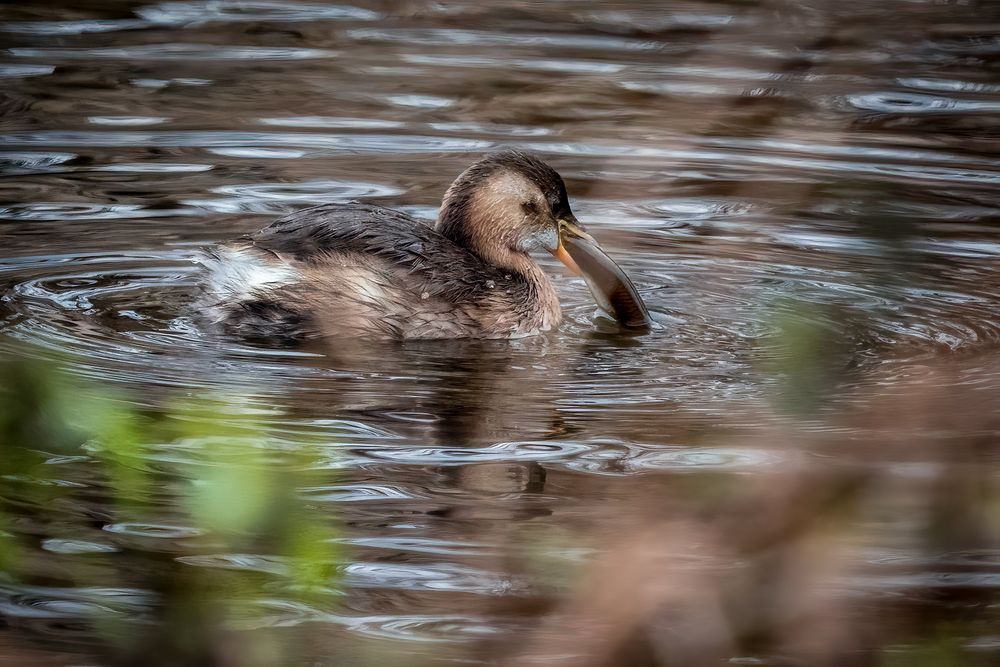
(737, 159)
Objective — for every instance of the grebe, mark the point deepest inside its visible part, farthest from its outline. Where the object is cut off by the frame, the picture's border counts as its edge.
(357, 270)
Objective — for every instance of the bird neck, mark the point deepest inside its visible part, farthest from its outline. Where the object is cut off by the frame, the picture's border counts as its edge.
(456, 223)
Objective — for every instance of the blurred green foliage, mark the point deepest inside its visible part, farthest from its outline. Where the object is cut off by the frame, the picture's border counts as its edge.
(807, 353)
(234, 494)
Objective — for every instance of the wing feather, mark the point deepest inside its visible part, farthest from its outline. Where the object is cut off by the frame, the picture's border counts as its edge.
(442, 268)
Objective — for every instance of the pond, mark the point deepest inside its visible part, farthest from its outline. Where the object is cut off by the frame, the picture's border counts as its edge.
(774, 176)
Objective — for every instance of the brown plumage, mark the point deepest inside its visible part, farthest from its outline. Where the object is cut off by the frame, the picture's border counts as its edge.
(359, 270)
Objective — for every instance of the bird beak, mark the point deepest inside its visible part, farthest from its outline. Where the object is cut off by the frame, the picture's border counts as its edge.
(612, 289)
(570, 229)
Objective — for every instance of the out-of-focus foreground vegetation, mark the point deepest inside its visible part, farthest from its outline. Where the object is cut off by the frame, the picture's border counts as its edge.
(698, 571)
(143, 604)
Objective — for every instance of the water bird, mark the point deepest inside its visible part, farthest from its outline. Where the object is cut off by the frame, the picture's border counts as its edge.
(358, 270)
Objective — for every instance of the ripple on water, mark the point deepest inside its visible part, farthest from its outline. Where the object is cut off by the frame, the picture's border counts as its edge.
(14, 162)
(404, 576)
(426, 628)
(13, 71)
(986, 558)
(538, 64)
(279, 198)
(429, 545)
(420, 101)
(264, 564)
(949, 85)
(74, 211)
(352, 493)
(70, 27)
(127, 121)
(163, 83)
(897, 102)
(451, 577)
(41, 602)
(51, 294)
(155, 167)
(491, 128)
(681, 88)
(81, 290)
(276, 613)
(174, 51)
(255, 153)
(254, 144)
(61, 546)
(483, 38)
(697, 459)
(231, 11)
(333, 122)
(156, 531)
(111, 294)
(34, 604)
(651, 20)
(502, 451)
(336, 430)
(924, 581)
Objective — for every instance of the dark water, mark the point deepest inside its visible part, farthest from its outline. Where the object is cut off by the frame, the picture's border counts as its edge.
(735, 158)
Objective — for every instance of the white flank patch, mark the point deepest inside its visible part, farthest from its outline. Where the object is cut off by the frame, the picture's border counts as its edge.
(241, 273)
(366, 287)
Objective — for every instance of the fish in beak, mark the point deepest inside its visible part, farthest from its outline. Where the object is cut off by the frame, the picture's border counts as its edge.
(612, 289)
